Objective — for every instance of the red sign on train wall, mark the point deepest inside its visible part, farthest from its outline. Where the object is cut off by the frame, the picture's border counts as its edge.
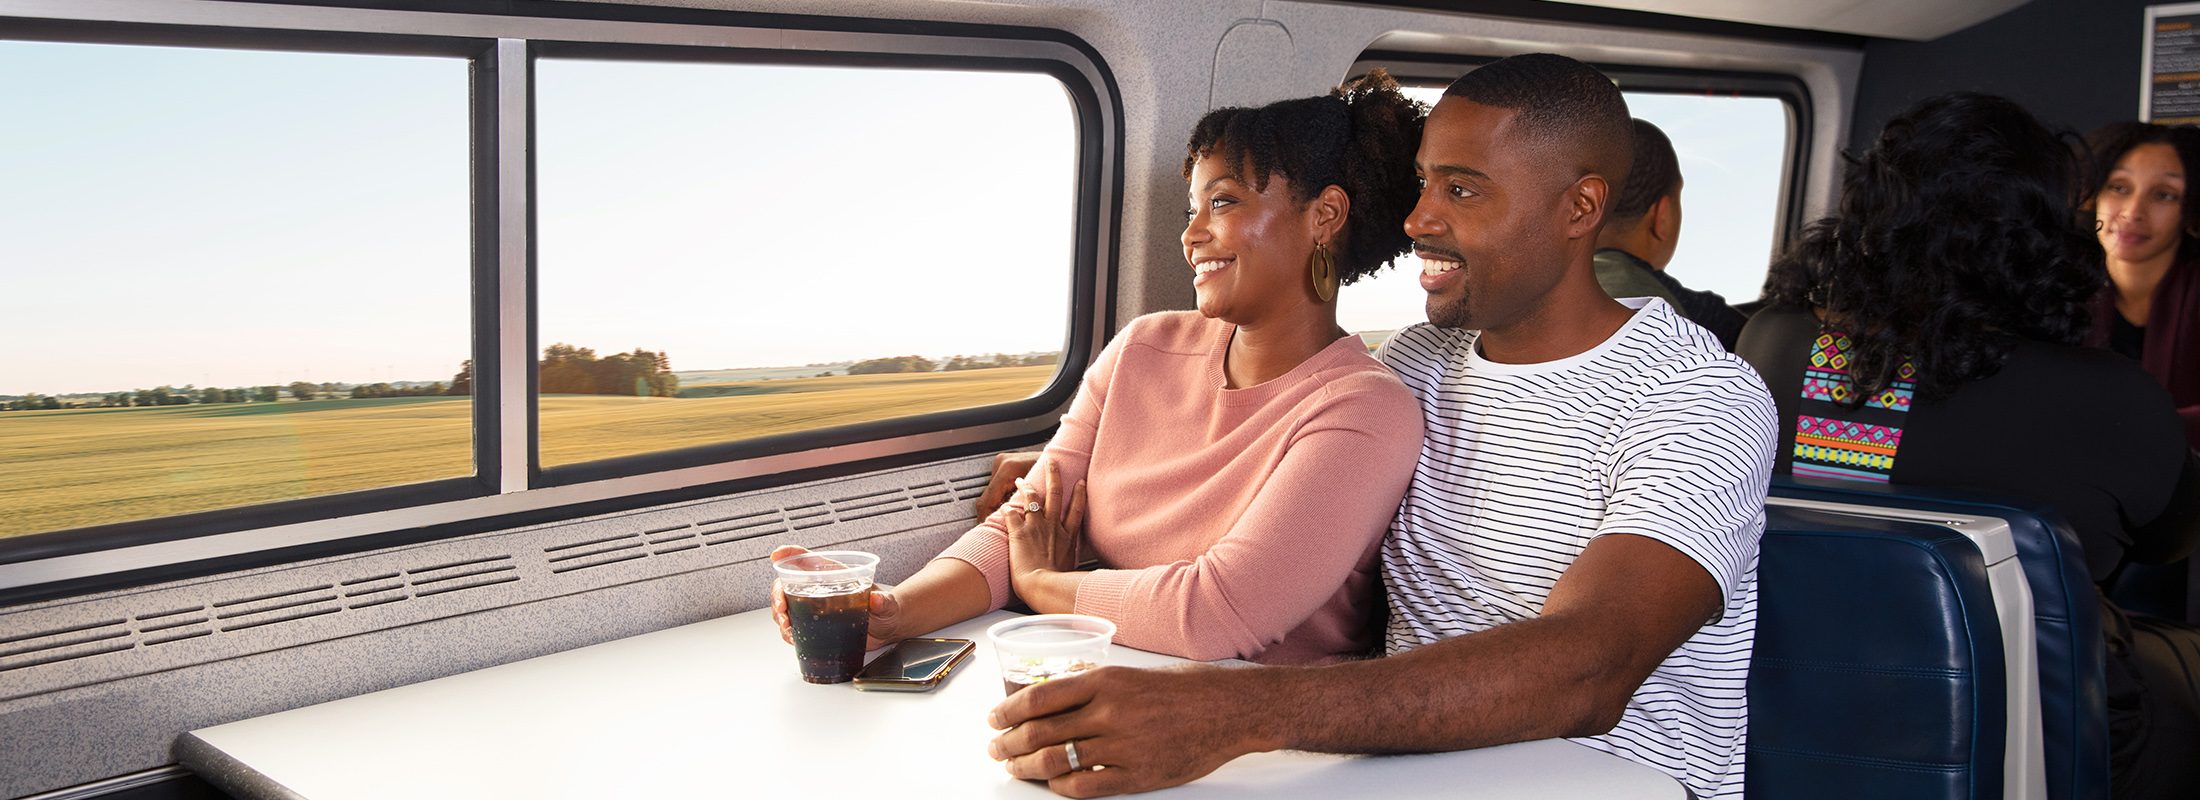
(2169, 91)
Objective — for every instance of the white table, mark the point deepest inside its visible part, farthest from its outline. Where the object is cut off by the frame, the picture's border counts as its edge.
(717, 709)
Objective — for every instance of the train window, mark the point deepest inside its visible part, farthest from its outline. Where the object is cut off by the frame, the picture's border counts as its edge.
(1733, 150)
(781, 248)
(235, 277)
(327, 279)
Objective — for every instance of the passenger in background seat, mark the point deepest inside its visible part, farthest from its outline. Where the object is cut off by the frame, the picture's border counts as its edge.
(2149, 227)
(1232, 469)
(1638, 241)
(1928, 335)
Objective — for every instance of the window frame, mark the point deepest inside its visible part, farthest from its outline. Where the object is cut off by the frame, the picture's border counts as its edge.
(1432, 69)
(509, 487)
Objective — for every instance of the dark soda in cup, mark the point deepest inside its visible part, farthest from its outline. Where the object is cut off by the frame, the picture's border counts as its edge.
(828, 611)
(828, 632)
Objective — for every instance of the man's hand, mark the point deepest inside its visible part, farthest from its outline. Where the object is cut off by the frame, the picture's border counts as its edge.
(885, 608)
(1007, 467)
(1151, 729)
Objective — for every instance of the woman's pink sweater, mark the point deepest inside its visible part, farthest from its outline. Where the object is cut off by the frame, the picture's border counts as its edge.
(1228, 522)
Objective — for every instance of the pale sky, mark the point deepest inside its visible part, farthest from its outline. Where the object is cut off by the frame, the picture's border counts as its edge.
(230, 218)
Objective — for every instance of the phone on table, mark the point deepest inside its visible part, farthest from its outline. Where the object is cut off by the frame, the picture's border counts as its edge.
(914, 665)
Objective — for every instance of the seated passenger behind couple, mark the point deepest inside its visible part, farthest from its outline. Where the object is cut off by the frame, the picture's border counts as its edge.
(1232, 469)
(1638, 240)
(1577, 555)
(1928, 335)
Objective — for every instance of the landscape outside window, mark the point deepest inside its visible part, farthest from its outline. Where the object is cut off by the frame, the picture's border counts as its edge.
(233, 277)
(1733, 151)
(730, 251)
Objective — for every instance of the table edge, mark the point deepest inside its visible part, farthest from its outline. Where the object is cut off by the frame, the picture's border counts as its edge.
(216, 766)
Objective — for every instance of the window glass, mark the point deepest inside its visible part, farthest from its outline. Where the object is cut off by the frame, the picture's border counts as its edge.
(1732, 151)
(232, 277)
(727, 251)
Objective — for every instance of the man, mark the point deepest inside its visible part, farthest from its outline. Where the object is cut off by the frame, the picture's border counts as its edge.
(1644, 228)
(1578, 553)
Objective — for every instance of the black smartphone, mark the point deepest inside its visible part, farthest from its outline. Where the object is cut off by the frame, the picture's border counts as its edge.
(914, 665)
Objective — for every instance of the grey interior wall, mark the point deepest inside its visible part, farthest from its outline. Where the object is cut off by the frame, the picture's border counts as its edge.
(2075, 63)
(126, 688)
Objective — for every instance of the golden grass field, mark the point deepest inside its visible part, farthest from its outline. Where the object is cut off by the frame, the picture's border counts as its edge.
(78, 467)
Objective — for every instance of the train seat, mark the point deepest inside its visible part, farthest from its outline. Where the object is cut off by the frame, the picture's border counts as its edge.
(2055, 743)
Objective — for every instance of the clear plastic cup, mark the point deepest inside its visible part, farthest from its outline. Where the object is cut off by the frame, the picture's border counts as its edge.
(1043, 647)
(828, 610)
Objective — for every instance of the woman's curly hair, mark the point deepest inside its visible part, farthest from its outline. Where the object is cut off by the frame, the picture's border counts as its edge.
(1360, 138)
(2109, 144)
(1956, 237)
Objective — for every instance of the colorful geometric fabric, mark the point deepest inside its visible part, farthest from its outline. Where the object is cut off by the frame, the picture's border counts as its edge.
(1833, 440)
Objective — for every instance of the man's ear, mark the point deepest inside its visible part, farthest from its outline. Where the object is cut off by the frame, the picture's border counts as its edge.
(1327, 213)
(1664, 218)
(1585, 202)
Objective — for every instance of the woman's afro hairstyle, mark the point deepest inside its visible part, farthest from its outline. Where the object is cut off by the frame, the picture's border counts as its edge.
(1361, 138)
(1957, 236)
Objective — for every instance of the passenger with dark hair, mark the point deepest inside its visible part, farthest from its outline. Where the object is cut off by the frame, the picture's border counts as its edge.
(1927, 334)
(1645, 227)
(1577, 555)
(2149, 227)
(1231, 469)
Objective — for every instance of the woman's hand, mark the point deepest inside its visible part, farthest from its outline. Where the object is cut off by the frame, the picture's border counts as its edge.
(1008, 471)
(1043, 537)
(886, 614)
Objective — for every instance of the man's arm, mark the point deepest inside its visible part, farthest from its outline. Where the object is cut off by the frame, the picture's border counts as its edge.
(1625, 605)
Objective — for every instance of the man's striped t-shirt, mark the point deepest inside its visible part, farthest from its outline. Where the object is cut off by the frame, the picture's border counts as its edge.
(1656, 432)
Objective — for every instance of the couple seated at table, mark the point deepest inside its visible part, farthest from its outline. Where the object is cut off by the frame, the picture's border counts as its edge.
(1572, 488)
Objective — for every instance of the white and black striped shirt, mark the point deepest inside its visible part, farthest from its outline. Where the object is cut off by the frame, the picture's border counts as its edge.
(1656, 432)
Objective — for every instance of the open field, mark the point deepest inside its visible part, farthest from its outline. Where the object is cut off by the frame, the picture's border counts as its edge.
(81, 467)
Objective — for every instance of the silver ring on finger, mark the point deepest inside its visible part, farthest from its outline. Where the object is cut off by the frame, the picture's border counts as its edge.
(1032, 506)
(1069, 748)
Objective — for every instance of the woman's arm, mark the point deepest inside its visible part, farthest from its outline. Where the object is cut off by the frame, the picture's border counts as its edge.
(985, 548)
(1314, 518)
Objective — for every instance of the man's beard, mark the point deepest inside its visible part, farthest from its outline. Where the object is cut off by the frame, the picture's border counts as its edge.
(1452, 314)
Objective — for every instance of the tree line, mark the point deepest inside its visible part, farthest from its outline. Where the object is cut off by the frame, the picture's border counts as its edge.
(565, 370)
(897, 364)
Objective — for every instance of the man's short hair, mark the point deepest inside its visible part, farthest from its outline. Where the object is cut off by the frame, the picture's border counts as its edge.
(1653, 173)
(1560, 102)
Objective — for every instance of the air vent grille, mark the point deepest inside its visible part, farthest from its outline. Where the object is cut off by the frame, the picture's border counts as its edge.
(45, 648)
(601, 550)
(261, 609)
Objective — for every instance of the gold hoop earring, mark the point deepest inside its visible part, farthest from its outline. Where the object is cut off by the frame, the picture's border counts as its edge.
(1324, 273)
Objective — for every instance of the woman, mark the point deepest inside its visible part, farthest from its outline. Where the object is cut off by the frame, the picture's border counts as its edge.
(2149, 227)
(1928, 335)
(1232, 470)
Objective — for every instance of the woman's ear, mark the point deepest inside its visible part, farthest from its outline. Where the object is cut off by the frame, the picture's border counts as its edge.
(1327, 212)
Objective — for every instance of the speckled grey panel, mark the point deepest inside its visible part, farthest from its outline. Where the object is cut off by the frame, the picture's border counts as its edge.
(98, 686)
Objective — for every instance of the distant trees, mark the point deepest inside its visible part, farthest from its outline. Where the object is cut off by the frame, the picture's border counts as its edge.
(303, 390)
(463, 383)
(566, 369)
(369, 390)
(884, 366)
(34, 402)
(960, 363)
(267, 394)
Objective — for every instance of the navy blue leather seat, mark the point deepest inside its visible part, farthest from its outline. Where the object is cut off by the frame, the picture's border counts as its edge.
(2066, 620)
(1878, 665)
